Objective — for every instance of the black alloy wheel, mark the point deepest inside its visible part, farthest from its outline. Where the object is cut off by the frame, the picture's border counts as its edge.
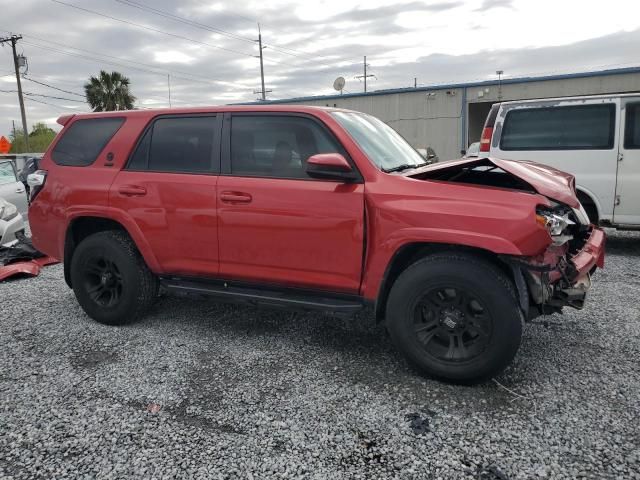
(452, 324)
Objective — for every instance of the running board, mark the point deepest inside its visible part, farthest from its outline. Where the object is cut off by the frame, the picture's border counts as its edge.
(267, 296)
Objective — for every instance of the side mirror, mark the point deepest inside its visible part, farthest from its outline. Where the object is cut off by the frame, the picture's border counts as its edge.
(330, 166)
(423, 153)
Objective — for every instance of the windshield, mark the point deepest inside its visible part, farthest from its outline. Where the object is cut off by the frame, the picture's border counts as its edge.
(381, 143)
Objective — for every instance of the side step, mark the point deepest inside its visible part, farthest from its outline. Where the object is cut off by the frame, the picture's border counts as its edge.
(267, 296)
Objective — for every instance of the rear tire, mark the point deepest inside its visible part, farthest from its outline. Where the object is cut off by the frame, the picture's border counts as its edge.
(455, 317)
(110, 279)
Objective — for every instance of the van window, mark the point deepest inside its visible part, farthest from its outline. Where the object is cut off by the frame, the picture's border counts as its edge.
(176, 144)
(582, 127)
(81, 144)
(632, 126)
(276, 146)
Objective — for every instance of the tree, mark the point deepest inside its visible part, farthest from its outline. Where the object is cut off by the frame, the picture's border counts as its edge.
(108, 92)
(39, 139)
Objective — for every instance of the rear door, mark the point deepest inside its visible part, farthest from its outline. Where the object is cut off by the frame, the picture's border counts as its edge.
(278, 225)
(12, 189)
(627, 209)
(168, 188)
(576, 136)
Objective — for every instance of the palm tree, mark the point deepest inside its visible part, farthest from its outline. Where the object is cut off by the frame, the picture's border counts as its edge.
(108, 92)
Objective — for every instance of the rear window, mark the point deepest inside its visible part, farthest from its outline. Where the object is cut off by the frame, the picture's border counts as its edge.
(583, 127)
(177, 144)
(81, 144)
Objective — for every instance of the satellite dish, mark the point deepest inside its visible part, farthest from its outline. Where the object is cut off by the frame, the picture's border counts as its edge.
(338, 83)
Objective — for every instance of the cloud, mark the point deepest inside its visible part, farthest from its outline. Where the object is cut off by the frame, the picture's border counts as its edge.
(489, 4)
(432, 40)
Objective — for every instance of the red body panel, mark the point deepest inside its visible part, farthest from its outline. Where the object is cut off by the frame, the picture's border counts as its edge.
(302, 233)
(308, 233)
(177, 216)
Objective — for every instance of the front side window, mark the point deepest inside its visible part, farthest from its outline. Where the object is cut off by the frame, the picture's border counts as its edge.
(276, 146)
(7, 174)
(81, 144)
(382, 144)
(632, 126)
(176, 144)
(583, 127)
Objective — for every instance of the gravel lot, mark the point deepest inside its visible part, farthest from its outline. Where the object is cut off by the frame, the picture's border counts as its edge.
(205, 390)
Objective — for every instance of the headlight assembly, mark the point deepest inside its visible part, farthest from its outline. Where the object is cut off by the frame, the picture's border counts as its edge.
(556, 224)
(8, 211)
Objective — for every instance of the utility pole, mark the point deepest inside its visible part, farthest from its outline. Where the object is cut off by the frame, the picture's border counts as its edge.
(14, 39)
(365, 76)
(260, 47)
(415, 82)
(499, 73)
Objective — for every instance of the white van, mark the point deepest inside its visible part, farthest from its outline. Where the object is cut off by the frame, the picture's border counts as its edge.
(595, 138)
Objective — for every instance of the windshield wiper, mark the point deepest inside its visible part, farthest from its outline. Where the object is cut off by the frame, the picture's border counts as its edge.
(404, 166)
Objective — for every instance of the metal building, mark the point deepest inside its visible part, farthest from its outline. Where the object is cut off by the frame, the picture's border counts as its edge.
(450, 117)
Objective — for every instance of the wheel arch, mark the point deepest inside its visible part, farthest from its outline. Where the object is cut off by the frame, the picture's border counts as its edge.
(81, 227)
(410, 253)
(590, 203)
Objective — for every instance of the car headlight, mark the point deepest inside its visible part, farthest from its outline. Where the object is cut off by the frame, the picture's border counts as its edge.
(8, 211)
(556, 224)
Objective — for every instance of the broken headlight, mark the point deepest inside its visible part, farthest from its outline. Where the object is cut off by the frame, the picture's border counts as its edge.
(556, 221)
(8, 211)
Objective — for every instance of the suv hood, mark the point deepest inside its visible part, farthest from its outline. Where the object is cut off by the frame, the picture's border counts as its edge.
(543, 179)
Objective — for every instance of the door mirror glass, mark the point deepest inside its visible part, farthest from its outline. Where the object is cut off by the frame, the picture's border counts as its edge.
(331, 166)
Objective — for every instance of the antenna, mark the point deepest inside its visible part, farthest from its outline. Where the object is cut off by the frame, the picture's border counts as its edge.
(338, 84)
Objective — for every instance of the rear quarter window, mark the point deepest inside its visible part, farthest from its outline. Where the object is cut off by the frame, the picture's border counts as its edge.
(582, 127)
(81, 144)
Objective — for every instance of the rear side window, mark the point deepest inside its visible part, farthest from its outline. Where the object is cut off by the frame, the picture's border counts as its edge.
(277, 146)
(176, 144)
(632, 126)
(81, 144)
(7, 173)
(583, 127)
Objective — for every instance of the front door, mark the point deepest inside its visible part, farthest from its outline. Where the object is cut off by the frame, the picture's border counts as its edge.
(278, 225)
(627, 208)
(168, 188)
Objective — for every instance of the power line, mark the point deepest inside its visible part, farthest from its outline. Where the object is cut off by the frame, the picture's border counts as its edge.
(151, 29)
(150, 69)
(182, 37)
(187, 21)
(31, 94)
(177, 18)
(50, 104)
(51, 86)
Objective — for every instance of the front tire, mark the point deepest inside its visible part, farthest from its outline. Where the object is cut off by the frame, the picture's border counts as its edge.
(110, 279)
(455, 316)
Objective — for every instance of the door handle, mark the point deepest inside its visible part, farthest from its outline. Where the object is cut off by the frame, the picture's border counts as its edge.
(235, 197)
(132, 191)
(20, 190)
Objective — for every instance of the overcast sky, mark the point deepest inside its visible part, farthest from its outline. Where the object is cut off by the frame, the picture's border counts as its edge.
(309, 43)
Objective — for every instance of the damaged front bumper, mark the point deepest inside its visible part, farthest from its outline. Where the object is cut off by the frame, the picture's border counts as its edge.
(559, 277)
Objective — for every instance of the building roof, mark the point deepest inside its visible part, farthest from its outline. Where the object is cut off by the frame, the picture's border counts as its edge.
(506, 81)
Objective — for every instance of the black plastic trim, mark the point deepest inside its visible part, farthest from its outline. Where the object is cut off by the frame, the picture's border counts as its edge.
(267, 295)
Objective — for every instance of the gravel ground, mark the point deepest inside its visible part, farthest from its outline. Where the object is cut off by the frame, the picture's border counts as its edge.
(204, 390)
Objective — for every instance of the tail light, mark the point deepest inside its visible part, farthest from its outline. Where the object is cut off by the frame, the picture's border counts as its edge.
(487, 131)
(485, 139)
(36, 181)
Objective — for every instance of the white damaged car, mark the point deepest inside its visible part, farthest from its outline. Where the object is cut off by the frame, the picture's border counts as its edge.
(11, 222)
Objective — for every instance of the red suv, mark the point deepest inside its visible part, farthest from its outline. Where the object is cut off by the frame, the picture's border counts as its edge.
(312, 208)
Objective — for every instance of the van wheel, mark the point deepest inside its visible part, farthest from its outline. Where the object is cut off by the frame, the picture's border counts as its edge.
(111, 280)
(456, 317)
